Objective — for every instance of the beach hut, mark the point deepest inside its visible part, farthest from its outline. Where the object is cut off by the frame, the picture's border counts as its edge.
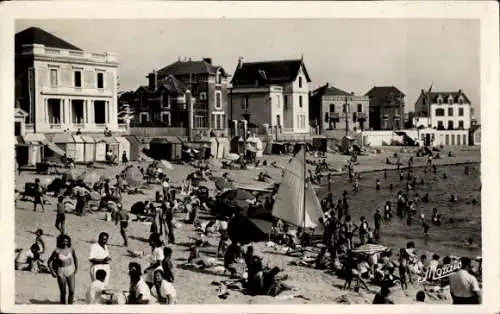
(35, 143)
(67, 143)
(257, 146)
(167, 147)
(79, 148)
(89, 148)
(124, 146)
(99, 149)
(111, 145)
(237, 145)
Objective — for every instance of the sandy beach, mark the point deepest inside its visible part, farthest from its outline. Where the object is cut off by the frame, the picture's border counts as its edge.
(195, 287)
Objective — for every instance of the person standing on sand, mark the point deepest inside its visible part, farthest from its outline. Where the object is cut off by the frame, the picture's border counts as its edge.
(377, 221)
(464, 288)
(99, 257)
(63, 265)
(38, 195)
(61, 214)
(123, 218)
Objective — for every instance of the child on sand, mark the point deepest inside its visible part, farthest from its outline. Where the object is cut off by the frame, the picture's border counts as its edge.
(97, 289)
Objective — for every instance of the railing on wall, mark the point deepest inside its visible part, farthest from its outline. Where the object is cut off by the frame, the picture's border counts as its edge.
(153, 132)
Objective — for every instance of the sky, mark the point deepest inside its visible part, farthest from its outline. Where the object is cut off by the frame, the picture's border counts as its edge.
(353, 55)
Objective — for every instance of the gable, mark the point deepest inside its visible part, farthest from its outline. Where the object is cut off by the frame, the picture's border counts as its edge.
(269, 72)
(35, 35)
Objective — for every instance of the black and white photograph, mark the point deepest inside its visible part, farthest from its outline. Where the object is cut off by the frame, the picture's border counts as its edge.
(253, 161)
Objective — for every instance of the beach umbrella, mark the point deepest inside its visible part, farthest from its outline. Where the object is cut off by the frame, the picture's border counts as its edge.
(246, 230)
(232, 157)
(370, 249)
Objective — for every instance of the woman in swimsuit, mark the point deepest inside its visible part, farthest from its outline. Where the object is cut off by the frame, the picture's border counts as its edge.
(63, 265)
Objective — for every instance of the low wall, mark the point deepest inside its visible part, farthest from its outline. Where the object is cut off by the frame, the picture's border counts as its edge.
(441, 137)
(156, 131)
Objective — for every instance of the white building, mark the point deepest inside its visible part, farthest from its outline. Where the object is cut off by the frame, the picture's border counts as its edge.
(272, 93)
(446, 112)
(63, 88)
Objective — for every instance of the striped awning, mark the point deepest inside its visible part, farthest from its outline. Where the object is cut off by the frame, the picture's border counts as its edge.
(19, 141)
(106, 139)
(56, 149)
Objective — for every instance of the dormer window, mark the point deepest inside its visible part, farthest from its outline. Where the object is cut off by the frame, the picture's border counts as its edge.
(450, 100)
(300, 81)
(461, 101)
(218, 77)
(440, 100)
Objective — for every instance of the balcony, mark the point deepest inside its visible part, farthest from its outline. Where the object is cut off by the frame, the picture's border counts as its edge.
(43, 51)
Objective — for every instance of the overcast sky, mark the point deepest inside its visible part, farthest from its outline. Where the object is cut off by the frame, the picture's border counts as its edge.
(353, 55)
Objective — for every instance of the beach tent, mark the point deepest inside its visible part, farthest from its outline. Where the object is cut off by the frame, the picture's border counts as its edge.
(67, 143)
(133, 176)
(245, 230)
(237, 145)
(79, 148)
(124, 146)
(256, 146)
(89, 148)
(99, 149)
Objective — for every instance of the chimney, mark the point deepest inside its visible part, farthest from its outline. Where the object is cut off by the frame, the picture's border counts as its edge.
(189, 59)
(327, 84)
(240, 62)
(152, 80)
(208, 60)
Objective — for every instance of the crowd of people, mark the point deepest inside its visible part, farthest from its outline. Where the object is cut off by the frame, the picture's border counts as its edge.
(155, 283)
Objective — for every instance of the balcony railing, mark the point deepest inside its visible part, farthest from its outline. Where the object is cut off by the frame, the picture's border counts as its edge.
(334, 115)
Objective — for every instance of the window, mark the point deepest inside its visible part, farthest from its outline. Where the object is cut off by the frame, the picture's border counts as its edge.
(278, 101)
(439, 112)
(218, 121)
(332, 107)
(218, 100)
(458, 139)
(464, 140)
(165, 118)
(300, 101)
(200, 121)
(78, 79)
(143, 117)
(327, 117)
(17, 128)
(285, 102)
(450, 112)
(447, 139)
(360, 107)
(300, 81)
(461, 101)
(278, 120)
(244, 103)
(440, 125)
(99, 111)
(461, 124)
(100, 80)
(461, 112)
(165, 101)
(450, 124)
(203, 96)
(53, 77)
(450, 100)
(218, 78)
(440, 101)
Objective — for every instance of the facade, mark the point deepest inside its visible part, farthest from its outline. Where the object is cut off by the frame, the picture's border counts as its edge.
(63, 88)
(271, 93)
(445, 110)
(331, 108)
(159, 101)
(208, 86)
(387, 108)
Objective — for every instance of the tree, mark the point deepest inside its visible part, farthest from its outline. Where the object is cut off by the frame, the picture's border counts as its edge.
(126, 104)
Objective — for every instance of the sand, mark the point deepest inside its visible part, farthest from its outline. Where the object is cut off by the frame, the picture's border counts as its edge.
(192, 287)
